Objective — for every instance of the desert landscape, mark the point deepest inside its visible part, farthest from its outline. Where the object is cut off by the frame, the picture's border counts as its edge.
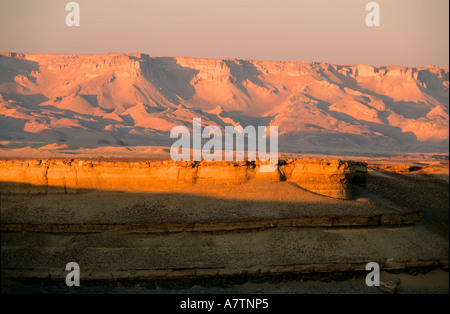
(163, 227)
(86, 176)
(124, 105)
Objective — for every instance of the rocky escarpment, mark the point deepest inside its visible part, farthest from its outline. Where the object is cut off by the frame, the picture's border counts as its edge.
(130, 100)
(334, 178)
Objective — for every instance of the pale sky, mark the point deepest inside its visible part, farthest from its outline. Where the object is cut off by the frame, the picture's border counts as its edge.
(411, 32)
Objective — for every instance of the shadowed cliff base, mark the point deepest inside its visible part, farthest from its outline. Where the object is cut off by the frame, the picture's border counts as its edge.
(255, 205)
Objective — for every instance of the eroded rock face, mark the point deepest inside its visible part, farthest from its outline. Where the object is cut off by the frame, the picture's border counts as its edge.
(334, 178)
(113, 102)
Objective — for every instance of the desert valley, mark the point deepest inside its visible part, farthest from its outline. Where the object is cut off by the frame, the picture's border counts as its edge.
(86, 175)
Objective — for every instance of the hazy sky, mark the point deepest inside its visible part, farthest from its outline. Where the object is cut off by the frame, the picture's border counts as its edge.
(412, 32)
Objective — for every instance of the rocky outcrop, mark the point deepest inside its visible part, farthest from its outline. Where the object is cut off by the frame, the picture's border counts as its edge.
(334, 178)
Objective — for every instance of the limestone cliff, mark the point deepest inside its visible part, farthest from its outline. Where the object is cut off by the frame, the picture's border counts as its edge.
(334, 178)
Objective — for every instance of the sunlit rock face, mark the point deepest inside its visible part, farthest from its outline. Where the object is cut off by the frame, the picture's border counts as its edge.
(334, 178)
(127, 100)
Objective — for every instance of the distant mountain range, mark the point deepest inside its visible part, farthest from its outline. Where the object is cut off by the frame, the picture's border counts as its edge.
(127, 100)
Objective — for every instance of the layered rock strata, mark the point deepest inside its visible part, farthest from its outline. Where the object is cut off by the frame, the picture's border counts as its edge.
(334, 178)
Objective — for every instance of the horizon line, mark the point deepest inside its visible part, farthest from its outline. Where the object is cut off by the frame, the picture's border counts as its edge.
(224, 58)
